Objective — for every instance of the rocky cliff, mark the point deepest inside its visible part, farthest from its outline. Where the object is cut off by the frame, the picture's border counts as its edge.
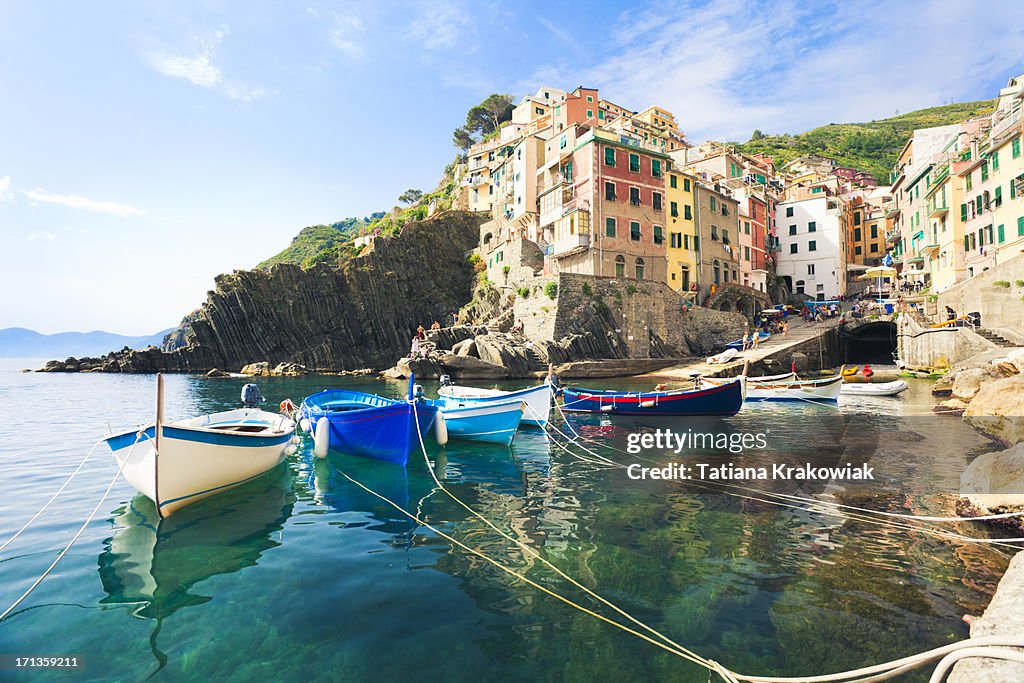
(359, 315)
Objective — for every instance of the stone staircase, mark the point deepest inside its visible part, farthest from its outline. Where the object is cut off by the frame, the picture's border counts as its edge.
(534, 359)
(996, 339)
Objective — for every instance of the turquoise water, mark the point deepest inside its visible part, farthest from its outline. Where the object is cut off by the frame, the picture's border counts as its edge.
(303, 576)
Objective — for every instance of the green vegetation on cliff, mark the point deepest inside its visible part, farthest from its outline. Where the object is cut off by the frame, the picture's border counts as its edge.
(316, 243)
(871, 146)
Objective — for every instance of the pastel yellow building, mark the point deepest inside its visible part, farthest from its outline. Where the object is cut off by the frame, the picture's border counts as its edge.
(681, 227)
(1006, 164)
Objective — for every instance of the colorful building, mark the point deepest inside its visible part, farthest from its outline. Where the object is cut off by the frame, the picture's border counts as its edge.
(812, 233)
(680, 224)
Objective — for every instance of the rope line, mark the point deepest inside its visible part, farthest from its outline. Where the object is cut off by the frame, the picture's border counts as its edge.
(54, 497)
(81, 530)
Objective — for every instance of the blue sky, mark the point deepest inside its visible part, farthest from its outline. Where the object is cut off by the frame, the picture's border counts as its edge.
(146, 147)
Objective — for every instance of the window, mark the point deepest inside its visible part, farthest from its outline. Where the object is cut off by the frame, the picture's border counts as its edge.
(634, 231)
(659, 234)
(792, 249)
(673, 209)
(590, 113)
(812, 246)
(812, 226)
(995, 161)
(856, 235)
(673, 180)
(874, 231)
(600, 114)
(799, 286)
(746, 253)
(746, 227)
(634, 163)
(1015, 147)
(716, 268)
(714, 205)
(967, 184)
(639, 269)
(1020, 227)
(609, 227)
(590, 98)
(558, 109)
(656, 201)
(562, 142)
(686, 241)
(538, 110)
(1001, 233)
(857, 250)
(675, 240)
(810, 269)
(725, 236)
(874, 248)
(634, 196)
(999, 196)
(963, 213)
(688, 212)
(725, 209)
(856, 218)
(609, 156)
(609, 191)
(620, 266)
(792, 230)
(686, 184)
(656, 168)
(714, 233)
(696, 242)
(984, 171)
(789, 211)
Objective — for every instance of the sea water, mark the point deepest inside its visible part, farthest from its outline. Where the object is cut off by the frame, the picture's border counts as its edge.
(302, 575)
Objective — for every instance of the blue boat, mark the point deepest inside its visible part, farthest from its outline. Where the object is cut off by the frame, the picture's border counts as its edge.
(723, 400)
(368, 425)
(490, 422)
(537, 399)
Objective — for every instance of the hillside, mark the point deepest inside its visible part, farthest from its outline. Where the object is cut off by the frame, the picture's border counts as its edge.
(312, 242)
(871, 146)
(18, 342)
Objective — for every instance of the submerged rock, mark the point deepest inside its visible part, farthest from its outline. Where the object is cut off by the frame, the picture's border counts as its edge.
(998, 409)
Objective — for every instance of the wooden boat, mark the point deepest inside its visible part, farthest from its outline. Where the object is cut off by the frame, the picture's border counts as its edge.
(787, 388)
(487, 421)
(536, 412)
(725, 400)
(723, 357)
(182, 462)
(738, 344)
(873, 389)
(368, 425)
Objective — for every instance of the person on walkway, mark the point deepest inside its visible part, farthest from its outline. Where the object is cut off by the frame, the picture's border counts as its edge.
(755, 338)
(415, 352)
(950, 313)
(785, 328)
(421, 333)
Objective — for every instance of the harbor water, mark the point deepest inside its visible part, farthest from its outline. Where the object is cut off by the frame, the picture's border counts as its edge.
(302, 575)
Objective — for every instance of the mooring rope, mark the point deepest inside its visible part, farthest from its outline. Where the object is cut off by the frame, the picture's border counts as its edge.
(54, 497)
(81, 530)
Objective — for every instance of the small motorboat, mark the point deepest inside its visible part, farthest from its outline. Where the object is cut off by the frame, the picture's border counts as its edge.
(536, 412)
(367, 425)
(723, 400)
(487, 421)
(182, 462)
(786, 387)
(723, 357)
(873, 389)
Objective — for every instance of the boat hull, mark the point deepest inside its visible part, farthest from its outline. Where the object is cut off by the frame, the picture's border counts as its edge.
(198, 458)
(537, 411)
(873, 389)
(771, 389)
(370, 426)
(490, 422)
(722, 401)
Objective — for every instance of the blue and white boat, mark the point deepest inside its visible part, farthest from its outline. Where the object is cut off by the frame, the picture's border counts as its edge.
(182, 462)
(537, 400)
(741, 342)
(490, 422)
(368, 425)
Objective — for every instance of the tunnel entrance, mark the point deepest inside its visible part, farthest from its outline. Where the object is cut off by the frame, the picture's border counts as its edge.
(870, 343)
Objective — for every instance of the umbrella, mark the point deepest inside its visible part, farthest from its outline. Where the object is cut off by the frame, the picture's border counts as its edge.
(877, 273)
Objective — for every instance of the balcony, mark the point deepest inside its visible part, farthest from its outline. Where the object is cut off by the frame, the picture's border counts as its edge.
(929, 249)
(937, 209)
(572, 243)
(892, 235)
(892, 212)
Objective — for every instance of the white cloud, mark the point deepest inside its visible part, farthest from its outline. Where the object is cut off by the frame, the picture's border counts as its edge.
(345, 33)
(42, 236)
(82, 203)
(443, 26)
(199, 67)
(5, 188)
(728, 67)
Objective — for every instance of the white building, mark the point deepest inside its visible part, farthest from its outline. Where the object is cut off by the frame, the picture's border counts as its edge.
(812, 246)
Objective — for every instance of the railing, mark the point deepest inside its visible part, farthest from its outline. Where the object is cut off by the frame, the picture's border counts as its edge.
(569, 243)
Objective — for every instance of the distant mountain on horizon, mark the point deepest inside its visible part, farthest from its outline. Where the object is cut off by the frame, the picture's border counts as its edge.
(19, 342)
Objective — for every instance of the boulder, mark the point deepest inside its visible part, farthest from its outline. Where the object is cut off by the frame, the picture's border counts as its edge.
(261, 369)
(995, 481)
(289, 370)
(468, 367)
(944, 385)
(217, 373)
(423, 368)
(969, 381)
(1016, 357)
(950, 406)
(466, 347)
(998, 409)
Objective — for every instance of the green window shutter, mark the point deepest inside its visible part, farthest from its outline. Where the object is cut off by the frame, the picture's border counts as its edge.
(995, 161)
(609, 156)
(963, 213)
(696, 242)
(688, 212)
(999, 195)
(984, 171)
(1020, 227)
(634, 163)
(634, 231)
(1015, 146)
(609, 227)
(686, 184)
(673, 180)
(1001, 233)
(674, 209)
(967, 243)
(656, 168)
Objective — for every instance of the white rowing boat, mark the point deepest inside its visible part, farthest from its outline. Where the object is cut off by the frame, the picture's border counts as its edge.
(178, 463)
(537, 399)
(873, 389)
(787, 387)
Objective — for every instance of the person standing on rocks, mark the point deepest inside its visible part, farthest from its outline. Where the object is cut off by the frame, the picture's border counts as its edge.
(420, 332)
